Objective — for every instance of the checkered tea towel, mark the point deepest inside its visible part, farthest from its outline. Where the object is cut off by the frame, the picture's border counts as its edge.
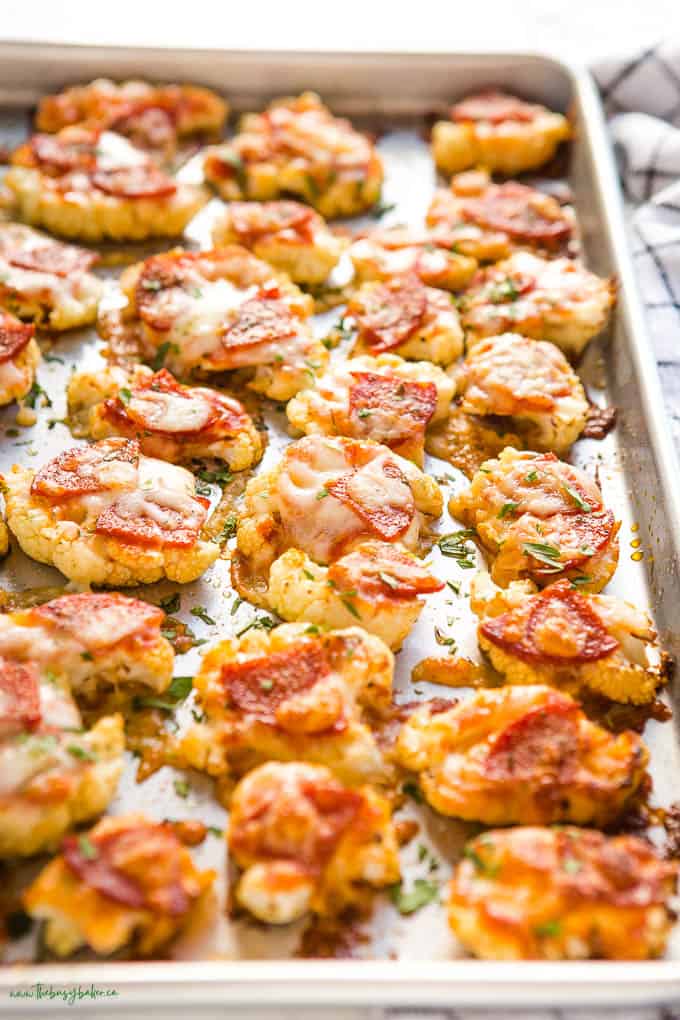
(642, 99)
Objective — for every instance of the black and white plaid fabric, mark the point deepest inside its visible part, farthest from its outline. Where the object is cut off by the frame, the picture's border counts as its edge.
(642, 98)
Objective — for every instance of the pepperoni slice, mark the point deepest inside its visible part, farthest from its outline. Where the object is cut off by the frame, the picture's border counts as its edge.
(138, 867)
(65, 153)
(387, 520)
(253, 221)
(81, 469)
(391, 312)
(19, 697)
(160, 405)
(146, 123)
(62, 260)
(258, 687)
(578, 536)
(101, 619)
(161, 273)
(139, 518)
(543, 741)
(388, 409)
(14, 336)
(143, 181)
(258, 321)
(379, 571)
(561, 628)
(279, 825)
(494, 107)
(515, 209)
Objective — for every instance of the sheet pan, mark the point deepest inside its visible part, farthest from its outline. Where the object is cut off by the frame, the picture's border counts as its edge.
(234, 965)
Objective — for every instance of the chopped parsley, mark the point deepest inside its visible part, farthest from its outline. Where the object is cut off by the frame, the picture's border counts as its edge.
(507, 508)
(364, 412)
(573, 495)
(571, 865)
(382, 208)
(229, 527)
(87, 848)
(549, 929)
(419, 895)
(238, 601)
(220, 476)
(267, 684)
(171, 604)
(322, 493)
(576, 582)
(483, 867)
(387, 579)
(506, 290)
(413, 791)
(202, 614)
(162, 353)
(531, 477)
(182, 788)
(545, 553)
(125, 395)
(36, 393)
(180, 687)
(456, 546)
(82, 753)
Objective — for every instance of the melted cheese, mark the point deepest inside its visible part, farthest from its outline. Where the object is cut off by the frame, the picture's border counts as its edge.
(316, 521)
(114, 152)
(162, 488)
(199, 314)
(170, 412)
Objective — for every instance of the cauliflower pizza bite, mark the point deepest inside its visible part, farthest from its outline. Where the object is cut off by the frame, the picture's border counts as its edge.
(568, 893)
(376, 586)
(568, 639)
(489, 221)
(153, 117)
(531, 383)
(128, 882)
(547, 299)
(522, 755)
(306, 843)
(403, 316)
(171, 421)
(329, 494)
(47, 281)
(288, 235)
(393, 251)
(94, 642)
(292, 694)
(297, 147)
(105, 514)
(382, 398)
(93, 185)
(4, 539)
(53, 773)
(541, 519)
(220, 310)
(499, 132)
(19, 358)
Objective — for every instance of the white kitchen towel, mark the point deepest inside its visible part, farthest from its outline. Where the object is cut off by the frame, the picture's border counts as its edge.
(642, 98)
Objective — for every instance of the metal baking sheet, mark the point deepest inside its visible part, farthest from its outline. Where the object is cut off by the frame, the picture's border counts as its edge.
(237, 964)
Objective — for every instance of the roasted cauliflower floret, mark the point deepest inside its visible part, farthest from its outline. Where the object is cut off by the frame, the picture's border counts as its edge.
(53, 773)
(288, 235)
(46, 281)
(327, 495)
(307, 843)
(297, 147)
(104, 514)
(215, 311)
(522, 755)
(94, 642)
(489, 221)
(499, 132)
(531, 383)
(377, 587)
(570, 640)
(382, 398)
(395, 251)
(128, 882)
(291, 695)
(172, 422)
(19, 358)
(407, 318)
(93, 185)
(567, 893)
(541, 519)
(153, 117)
(547, 299)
